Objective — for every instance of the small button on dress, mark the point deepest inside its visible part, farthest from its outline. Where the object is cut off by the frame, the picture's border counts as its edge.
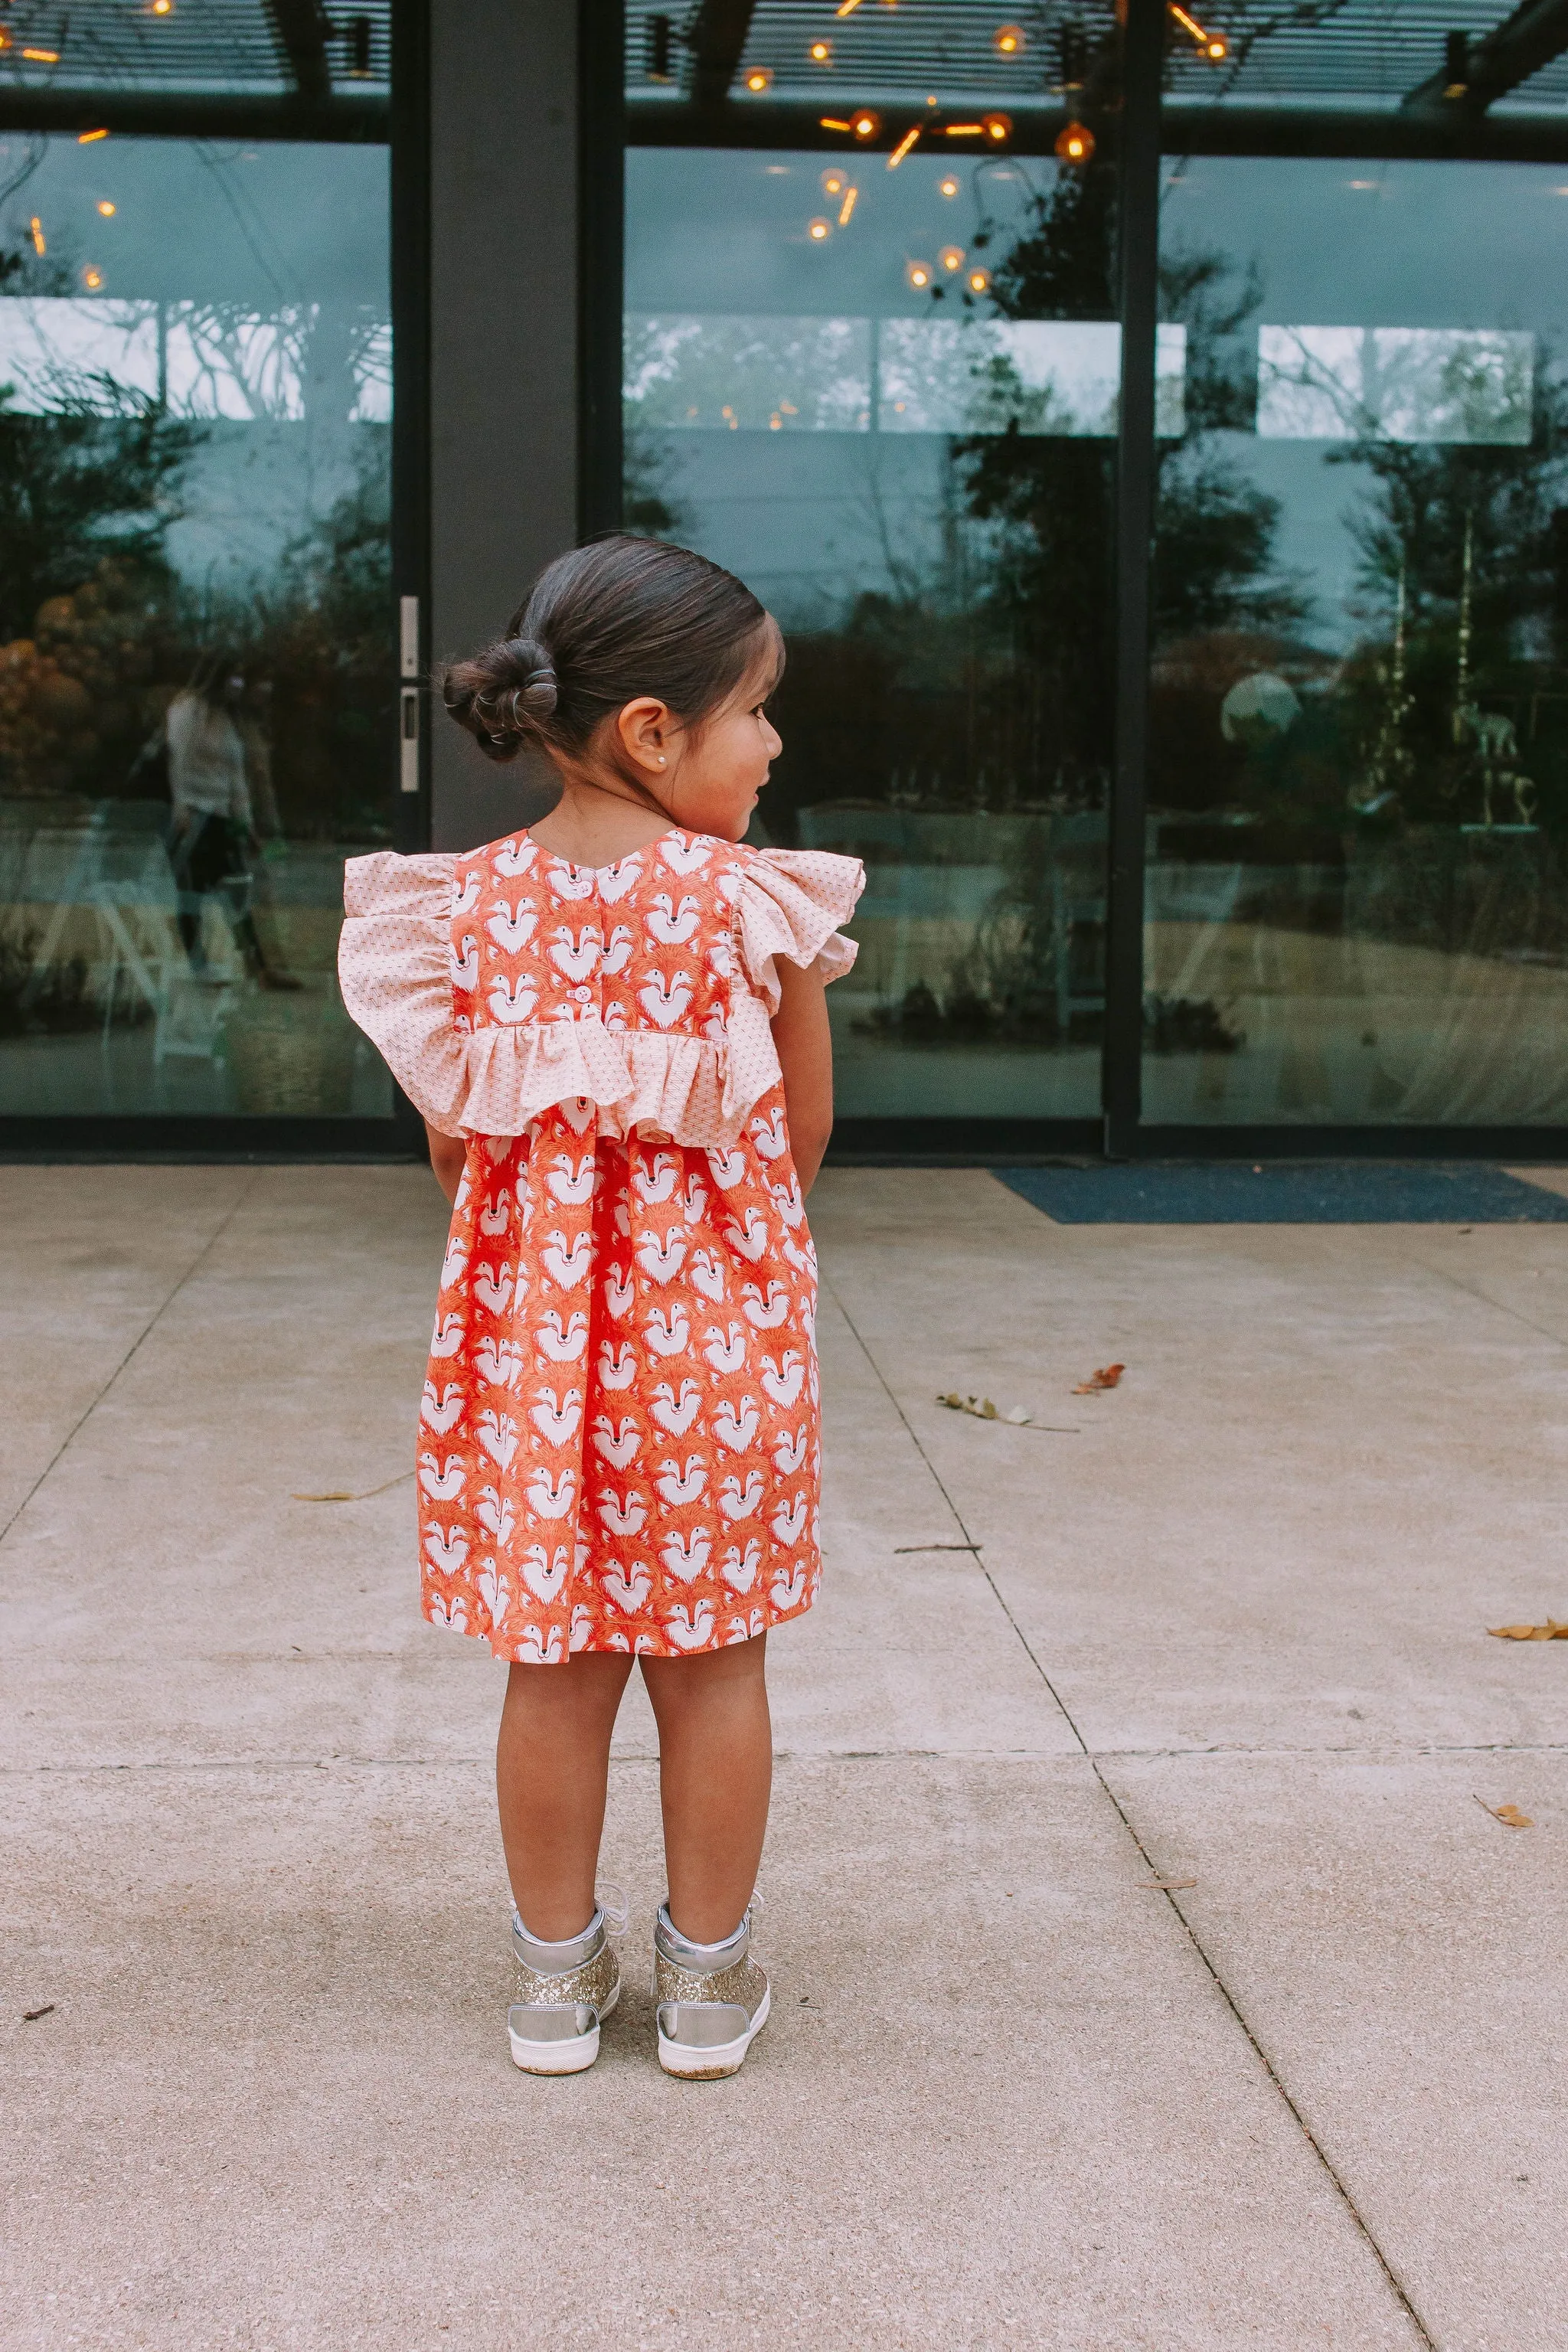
(618, 1442)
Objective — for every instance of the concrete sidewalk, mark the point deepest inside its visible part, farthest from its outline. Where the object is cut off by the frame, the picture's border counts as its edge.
(1225, 1625)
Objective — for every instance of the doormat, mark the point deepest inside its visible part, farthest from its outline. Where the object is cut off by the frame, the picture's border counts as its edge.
(1287, 1192)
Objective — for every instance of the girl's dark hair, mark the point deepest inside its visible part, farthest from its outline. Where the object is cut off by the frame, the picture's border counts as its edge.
(621, 617)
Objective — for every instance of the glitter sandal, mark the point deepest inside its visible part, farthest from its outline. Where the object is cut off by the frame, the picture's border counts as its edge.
(707, 2017)
(565, 1991)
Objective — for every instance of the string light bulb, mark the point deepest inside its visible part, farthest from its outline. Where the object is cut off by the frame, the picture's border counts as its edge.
(90, 138)
(980, 281)
(947, 185)
(848, 207)
(903, 149)
(918, 274)
(1075, 144)
(1007, 40)
(106, 209)
(951, 258)
(1215, 46)
(161, 8)
(819, 230)
(865, 124)
(42, 57)
(834, 182)
(759, 78)
(36, 231)
(92, 279)
(996, 127)
(820, 53)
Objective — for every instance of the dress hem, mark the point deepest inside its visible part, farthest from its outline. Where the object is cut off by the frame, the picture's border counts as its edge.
(638, 1643)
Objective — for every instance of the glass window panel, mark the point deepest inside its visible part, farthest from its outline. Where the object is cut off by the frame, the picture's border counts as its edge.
(1355, 906)
(196, 684)
(884, 395)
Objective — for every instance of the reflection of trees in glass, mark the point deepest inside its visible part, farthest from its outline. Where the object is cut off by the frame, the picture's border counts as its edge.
(319, 639)
(1472, 538)
(648, 500)
(87, 498)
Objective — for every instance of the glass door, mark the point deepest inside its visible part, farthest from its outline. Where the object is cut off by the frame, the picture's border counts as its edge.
(1356, 901)
(871, 364)
(196, 657)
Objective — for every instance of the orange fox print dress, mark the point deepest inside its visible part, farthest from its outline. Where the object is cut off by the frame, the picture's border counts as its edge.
(619, 1439)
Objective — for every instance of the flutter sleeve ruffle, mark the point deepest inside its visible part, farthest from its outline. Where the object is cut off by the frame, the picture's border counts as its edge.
(790, 903)
(395, 966)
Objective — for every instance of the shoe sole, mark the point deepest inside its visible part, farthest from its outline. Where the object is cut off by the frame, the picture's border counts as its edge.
(573, 2057)
(713, 2065)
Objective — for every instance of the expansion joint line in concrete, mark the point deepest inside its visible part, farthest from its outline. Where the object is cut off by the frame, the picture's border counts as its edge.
(1395, 2284)
(1498, 1306)
(145, 1333)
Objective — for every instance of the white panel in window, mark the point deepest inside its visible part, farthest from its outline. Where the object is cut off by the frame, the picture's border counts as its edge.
(722, 374)
(225, 361)
(94, 353)
(1394, 383)
(1053, 377)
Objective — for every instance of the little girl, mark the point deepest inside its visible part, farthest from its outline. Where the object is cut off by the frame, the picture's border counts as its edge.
(613, 1023)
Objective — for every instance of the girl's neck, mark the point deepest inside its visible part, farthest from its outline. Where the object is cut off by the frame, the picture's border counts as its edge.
(595, 824)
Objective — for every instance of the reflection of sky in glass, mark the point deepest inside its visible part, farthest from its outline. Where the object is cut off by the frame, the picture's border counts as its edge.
(734, 305)
(1456, 269)
(728, 232)
(248, 285)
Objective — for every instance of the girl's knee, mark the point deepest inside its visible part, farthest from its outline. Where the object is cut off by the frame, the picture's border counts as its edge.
(710, 1676)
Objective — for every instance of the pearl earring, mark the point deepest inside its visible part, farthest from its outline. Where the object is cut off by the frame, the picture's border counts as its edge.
(661, 760)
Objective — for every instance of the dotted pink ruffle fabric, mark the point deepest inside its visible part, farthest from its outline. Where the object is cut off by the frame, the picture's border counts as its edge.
(501, 982)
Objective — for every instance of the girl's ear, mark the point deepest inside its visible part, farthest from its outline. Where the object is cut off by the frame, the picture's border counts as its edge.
(646, 728)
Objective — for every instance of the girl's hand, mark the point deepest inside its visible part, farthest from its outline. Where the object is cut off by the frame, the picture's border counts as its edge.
(448, 1153)
(805, 1044)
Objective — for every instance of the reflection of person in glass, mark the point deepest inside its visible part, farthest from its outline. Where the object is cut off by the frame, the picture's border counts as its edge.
(214, 829)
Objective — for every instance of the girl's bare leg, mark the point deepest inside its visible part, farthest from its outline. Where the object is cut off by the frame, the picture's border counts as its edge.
(716, 1763)
(553, 1763)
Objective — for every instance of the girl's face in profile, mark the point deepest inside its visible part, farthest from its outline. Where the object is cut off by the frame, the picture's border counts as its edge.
(711, 780)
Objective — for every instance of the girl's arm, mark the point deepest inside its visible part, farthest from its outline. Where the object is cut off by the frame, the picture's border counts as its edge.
(805, 1056)
(448, 1153)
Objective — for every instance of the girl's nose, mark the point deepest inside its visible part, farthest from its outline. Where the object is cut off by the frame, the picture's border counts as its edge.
(771, 738)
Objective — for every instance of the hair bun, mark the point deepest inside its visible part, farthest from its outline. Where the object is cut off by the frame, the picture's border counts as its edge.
(536, 673)
(505, 696)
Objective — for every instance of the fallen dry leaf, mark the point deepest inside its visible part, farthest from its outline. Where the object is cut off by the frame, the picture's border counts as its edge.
(983, 1410)
(31, 2016)
(1509, 1815)
(1550, 1632)
(1107, 1377)
(338, 1495)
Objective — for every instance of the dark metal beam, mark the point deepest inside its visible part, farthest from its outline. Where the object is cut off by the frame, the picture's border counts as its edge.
(152, 116)
(302, 27)
(1186, 129)
(718, 41)
(1535, 34)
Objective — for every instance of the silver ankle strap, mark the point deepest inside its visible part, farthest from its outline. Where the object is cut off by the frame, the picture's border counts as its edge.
(555, 1960)
(701, 1960)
